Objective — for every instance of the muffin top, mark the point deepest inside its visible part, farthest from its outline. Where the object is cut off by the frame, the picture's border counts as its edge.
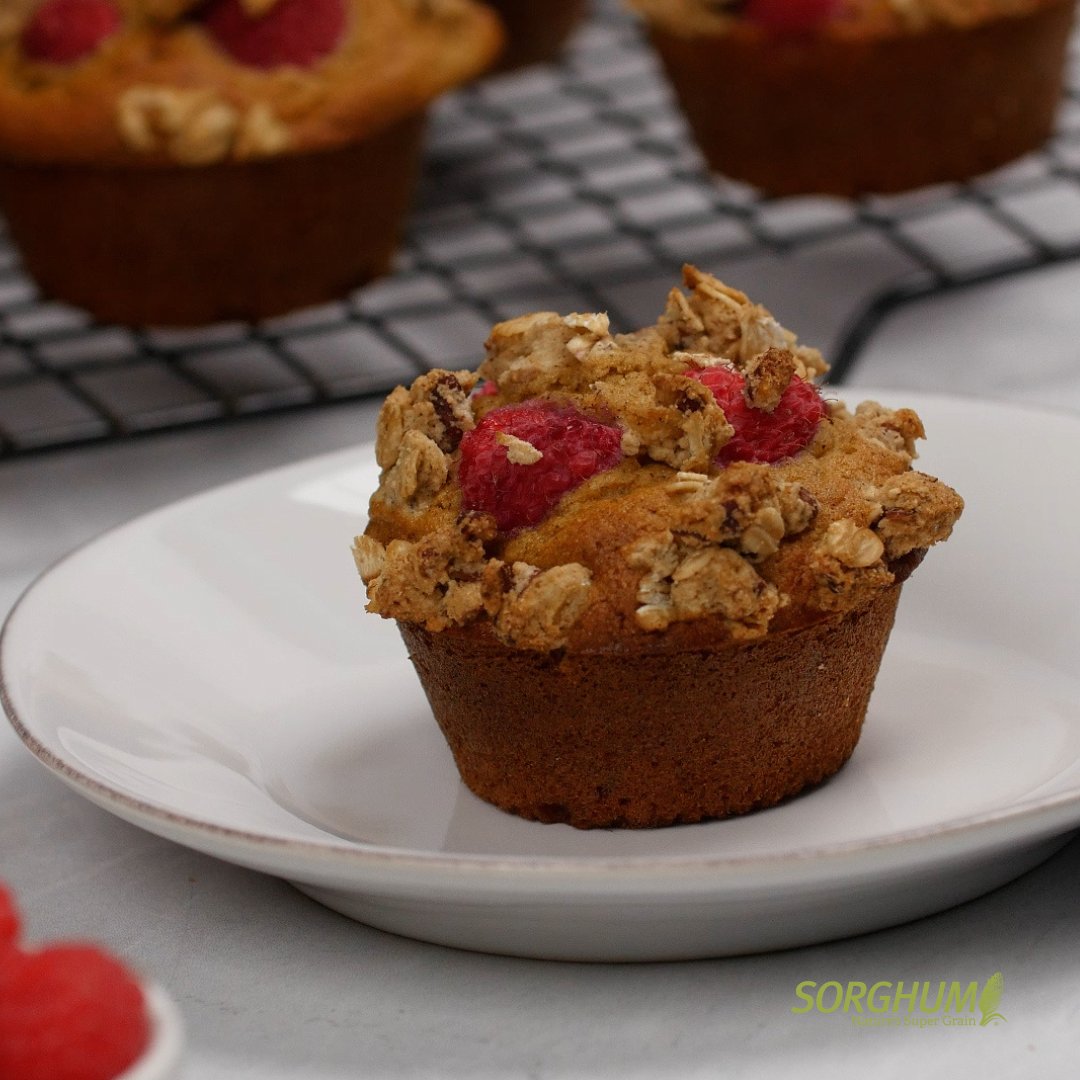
(833, 18)
(194, 82)
(683, 485)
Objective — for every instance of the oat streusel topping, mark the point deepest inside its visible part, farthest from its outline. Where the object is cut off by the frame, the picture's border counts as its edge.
(446, 579)
(669, 539)
(197, 127)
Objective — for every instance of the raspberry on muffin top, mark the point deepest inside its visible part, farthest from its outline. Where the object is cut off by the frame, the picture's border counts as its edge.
(66, 31)
(594, 488)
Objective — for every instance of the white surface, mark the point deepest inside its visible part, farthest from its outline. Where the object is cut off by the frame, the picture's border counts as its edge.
(206, 672)
(1016, 339)
(276, 987)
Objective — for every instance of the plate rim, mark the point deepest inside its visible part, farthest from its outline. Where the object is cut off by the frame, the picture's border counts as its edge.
(358, 854)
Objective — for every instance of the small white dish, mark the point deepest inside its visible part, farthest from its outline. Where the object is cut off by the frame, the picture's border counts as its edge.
(161, 1061)
(208, 673)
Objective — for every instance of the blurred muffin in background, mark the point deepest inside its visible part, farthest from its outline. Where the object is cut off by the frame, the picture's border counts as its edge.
(849, 96)
(535, 30)
(171, 162)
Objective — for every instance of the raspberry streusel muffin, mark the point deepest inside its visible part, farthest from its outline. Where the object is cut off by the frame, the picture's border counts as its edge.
(850, 96)
(645, 578)
(179, 162)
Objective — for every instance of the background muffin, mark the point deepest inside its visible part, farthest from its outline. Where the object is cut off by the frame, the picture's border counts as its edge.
(168, 163)
(849, 96)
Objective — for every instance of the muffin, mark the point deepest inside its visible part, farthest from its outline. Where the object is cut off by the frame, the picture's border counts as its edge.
(844, 97)
(167, 162)
(535, 31)
(645, 578)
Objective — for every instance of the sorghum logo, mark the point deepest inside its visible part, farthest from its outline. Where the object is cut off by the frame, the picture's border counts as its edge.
(920, 1004)
(990, 998)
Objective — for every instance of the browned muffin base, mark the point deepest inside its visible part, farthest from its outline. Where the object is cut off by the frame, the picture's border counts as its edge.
(640, 740)
(180, 246)
(844, 117)
(535, 31)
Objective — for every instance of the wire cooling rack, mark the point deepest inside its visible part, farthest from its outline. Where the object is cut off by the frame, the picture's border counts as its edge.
(570, 188)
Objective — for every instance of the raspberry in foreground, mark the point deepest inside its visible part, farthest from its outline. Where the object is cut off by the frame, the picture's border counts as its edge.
(789, 16)
(70, 1012)
(9, 920)
(65, 31)
(298, 32)
(573, 446)
(764, 436)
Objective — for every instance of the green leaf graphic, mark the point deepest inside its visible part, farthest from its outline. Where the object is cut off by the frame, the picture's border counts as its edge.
(990, 998)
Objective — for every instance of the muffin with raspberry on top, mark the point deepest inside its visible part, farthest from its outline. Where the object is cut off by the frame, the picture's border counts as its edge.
(645, 578)
(179, 162)
(844, 97)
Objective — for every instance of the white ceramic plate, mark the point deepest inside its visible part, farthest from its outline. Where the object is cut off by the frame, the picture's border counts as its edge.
(208, 672)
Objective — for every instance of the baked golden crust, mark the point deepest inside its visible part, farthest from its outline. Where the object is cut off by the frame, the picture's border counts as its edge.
(667, 549)
(161, 91)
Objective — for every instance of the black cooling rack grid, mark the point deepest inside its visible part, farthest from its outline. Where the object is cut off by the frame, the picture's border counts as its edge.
(572, 188)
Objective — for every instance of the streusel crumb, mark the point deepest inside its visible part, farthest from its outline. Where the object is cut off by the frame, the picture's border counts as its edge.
(672, 534)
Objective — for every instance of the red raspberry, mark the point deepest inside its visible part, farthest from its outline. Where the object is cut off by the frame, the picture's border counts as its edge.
(70, 1012)
(574, 446)
(759, 435)
(9, 920)
(790, 16)
(63, 31)
(299, 32)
